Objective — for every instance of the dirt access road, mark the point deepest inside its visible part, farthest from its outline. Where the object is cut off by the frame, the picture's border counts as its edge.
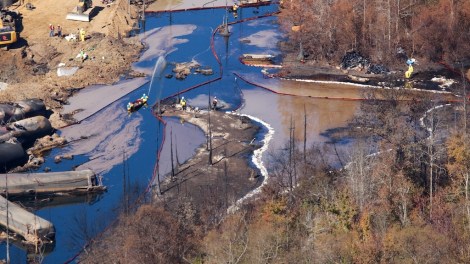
(29, 68)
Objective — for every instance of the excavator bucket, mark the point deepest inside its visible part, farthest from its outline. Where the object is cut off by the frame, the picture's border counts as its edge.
(78, 17)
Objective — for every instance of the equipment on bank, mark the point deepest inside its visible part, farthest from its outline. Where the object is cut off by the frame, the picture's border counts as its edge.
(8, 33)
(82, 11)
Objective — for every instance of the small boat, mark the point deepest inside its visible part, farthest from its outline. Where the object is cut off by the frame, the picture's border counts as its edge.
(137, 104)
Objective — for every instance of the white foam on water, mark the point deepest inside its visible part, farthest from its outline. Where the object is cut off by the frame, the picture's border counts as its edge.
(365, 85)
(257, 159)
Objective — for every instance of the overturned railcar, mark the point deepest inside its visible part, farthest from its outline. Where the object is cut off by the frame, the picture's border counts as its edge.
(58, 183)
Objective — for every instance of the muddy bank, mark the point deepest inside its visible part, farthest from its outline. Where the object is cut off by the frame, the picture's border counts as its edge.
(426, 75)
(229, 176)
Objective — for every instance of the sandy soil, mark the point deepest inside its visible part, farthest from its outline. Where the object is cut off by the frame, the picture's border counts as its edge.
(30, 66)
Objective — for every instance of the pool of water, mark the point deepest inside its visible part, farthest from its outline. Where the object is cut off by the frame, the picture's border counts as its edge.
(123, 148)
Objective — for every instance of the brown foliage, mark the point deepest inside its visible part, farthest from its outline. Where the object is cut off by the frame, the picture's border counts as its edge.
(416, 245)
(151, 235)
(426, 29)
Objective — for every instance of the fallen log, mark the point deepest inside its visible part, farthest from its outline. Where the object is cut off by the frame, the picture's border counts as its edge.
(25, 224)
(73, 182)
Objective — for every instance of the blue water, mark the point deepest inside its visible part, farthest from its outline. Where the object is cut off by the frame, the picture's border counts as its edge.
(76, 223)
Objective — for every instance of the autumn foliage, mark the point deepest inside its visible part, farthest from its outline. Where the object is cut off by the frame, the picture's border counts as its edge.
(401, 198)
(384, 30)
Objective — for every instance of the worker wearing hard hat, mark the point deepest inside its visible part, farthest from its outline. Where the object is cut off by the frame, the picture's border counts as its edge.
(183, 103)
(410, 70)
(51, 30)
(214, 103)
(82, 34)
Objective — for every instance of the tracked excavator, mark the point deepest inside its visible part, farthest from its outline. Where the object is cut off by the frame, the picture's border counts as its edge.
(82, 11)
(8, 34)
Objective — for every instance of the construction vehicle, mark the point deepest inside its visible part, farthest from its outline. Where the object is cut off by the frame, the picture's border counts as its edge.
(82, 11)
(8, 34)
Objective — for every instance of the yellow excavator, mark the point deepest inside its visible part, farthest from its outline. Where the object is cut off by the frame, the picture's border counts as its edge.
(82, 11)
(8, 33)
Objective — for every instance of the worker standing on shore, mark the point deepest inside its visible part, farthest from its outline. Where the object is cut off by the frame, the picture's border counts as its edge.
(51, 30)
(183, 103)
(82, 34)
(410, 70)
(59, 31)
(82, 55)
(214, 103)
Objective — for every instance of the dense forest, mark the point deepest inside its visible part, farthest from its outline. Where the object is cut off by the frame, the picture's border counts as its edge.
(400, 194)
(384, 30)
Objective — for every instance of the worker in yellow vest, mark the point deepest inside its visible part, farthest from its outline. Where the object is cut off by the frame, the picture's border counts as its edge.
(183, 103)
(82, 34)
(409, 72)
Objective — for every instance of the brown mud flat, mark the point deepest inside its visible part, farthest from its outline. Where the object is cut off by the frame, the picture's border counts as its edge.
(230, 176)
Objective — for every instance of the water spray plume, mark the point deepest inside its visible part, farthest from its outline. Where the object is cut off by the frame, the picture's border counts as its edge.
(157, 71)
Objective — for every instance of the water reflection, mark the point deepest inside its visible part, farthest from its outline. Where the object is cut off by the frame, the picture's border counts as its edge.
(321, 114)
